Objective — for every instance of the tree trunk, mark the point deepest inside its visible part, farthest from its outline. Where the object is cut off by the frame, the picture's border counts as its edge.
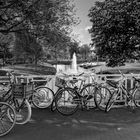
(55, 54)
(4, 58)
(35, 61)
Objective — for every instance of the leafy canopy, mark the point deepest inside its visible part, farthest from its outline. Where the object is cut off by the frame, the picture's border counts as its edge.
(115, 30)
(47, 22)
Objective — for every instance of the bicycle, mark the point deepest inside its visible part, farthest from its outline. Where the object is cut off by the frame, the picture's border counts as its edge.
(42, 96)
(17, 96)
(130, 96)
(61, 84)
(6, 125)
(102, 93)
(69, 99)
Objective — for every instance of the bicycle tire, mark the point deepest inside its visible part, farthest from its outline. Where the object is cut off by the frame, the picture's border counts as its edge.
(68, 108)
(136, 97)
(23, 113)
(11, 110)
(101, 97)
(53, 107)
(111, 102)
(88, 91)
(42, 97)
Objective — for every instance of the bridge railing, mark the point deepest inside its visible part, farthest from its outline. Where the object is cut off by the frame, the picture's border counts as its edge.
(50, 79)
(100, 78)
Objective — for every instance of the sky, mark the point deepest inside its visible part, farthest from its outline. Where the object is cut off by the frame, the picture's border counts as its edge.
(83, 7)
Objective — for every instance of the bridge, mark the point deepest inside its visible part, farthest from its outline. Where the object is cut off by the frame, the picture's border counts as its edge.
(99, 78)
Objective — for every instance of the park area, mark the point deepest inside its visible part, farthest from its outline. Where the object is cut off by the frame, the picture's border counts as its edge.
(69, 70)
(119, 124)
(87, 123)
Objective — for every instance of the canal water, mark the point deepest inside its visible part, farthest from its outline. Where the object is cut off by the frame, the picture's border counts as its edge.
(61, 67)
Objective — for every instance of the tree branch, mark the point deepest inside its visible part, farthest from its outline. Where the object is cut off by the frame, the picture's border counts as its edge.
(15, 25)
(9, 5)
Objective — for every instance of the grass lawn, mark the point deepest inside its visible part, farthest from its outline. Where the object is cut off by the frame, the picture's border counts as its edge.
(128, 68)
(65, 62)
(30, 69)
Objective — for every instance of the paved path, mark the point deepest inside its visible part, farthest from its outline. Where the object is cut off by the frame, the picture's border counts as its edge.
(118, 124)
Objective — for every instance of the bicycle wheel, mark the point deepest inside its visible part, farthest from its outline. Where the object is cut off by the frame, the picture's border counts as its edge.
(101, 97)
(6, 124)
(42, 97)
(111, 101)
(53, 107)
(136, 97)
(88, 92)
(66, 101)
(23, 111)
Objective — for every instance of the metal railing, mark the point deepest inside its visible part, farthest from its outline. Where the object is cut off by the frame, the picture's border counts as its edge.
(50, 80)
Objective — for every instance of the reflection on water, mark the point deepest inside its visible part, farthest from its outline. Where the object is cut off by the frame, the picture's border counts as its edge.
(60, 67)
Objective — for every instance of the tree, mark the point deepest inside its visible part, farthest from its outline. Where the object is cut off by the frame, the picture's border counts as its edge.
(37, 16)
(85, 51)
(6, 43)
(56, 34)
(48, 22)
(73, 47)
(115, 29)
(28, 47)
(16, 15)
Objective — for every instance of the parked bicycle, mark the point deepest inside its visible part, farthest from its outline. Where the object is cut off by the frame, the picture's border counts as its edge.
(42, 96)
(131, 96)
(60, 83)
(17, 97)
(69, 99)
(6, 125)
(101, 94)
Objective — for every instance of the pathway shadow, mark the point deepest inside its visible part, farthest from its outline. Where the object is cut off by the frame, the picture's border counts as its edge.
(82, 124)
(92, 119)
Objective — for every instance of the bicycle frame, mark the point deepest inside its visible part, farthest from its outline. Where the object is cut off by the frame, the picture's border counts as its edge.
(122, 89)
(10, 99)
(8, 96)
(80, 99)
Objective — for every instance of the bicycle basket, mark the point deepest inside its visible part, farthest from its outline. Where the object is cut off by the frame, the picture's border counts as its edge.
(59, 82)
(22, 90)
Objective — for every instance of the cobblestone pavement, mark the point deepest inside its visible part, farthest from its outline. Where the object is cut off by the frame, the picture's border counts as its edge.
(118, 124)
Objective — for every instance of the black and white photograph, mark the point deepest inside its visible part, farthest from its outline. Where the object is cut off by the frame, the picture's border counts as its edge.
(69, 69)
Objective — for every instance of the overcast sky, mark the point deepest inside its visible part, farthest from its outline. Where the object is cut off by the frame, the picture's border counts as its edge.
(83, 7)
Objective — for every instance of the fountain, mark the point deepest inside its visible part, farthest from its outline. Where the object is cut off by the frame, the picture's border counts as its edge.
(74, 63)
(71, 69)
